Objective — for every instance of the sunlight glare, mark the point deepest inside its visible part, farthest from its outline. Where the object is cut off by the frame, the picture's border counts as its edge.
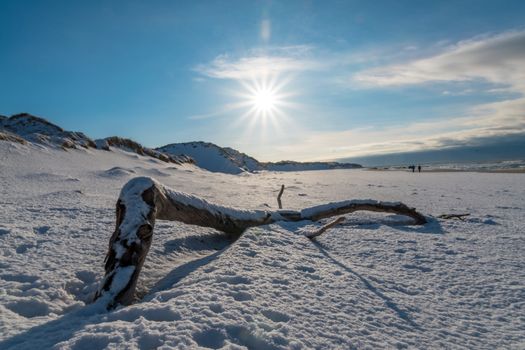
(264, 100)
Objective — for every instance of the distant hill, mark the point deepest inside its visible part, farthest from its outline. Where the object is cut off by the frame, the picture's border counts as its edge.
(26, 128)
(228, 160)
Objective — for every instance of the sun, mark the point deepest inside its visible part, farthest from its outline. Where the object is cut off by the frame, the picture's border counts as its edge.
(265, 102)
(264, 99)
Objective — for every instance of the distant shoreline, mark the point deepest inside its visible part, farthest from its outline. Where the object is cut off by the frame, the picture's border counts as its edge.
(490, 171)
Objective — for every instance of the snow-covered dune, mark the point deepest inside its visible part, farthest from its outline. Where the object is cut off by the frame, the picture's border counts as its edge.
(39, 130)
(214, 158)
(230, 161)
(372, 282)
(26, 128)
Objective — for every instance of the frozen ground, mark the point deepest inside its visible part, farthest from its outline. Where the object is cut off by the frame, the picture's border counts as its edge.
(370, 283)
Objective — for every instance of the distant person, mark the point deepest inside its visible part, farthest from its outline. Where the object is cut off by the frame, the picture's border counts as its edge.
(412, 167)
(419, 168)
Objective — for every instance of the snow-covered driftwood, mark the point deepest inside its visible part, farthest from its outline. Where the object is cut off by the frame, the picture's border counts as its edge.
(143, 200)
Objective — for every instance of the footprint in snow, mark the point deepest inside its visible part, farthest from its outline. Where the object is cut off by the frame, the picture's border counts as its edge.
(242, 296)
(22, 248)
(19, 278)
(233, 280)
(275, 316)
(250, 253)
(29, 308)
(41, 229)
(415, 267)
(210, 339)
(217, 308)
(305, 268)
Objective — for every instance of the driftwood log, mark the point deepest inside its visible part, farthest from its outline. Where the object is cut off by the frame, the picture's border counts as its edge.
(143, 200)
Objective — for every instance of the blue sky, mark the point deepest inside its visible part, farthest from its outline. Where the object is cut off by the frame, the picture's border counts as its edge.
(347, 78)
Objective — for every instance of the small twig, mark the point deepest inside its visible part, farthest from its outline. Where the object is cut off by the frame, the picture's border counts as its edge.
(326, 227)
(279, 197)
(453, 216)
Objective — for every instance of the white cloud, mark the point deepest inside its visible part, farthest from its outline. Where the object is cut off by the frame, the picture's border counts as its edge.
(498, 59)
(261, 62)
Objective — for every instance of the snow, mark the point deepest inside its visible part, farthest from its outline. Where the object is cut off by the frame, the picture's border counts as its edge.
(131, 197)
(38, 130)
(230, 161)
(371, 282)
(212, 157)
(310, 212)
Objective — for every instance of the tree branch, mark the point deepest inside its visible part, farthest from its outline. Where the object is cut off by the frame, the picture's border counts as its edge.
(279, 197)
(326, 227)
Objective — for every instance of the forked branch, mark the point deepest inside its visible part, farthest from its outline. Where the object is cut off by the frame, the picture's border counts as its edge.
(143, 200)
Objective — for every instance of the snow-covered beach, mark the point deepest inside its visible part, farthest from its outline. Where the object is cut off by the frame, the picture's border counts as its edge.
(262, 175)
(374, 281)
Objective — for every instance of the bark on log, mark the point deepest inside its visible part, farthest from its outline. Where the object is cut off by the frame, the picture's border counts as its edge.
(143, 200)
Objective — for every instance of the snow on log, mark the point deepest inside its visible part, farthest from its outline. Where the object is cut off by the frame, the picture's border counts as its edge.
(143, 200)
(339, 208)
